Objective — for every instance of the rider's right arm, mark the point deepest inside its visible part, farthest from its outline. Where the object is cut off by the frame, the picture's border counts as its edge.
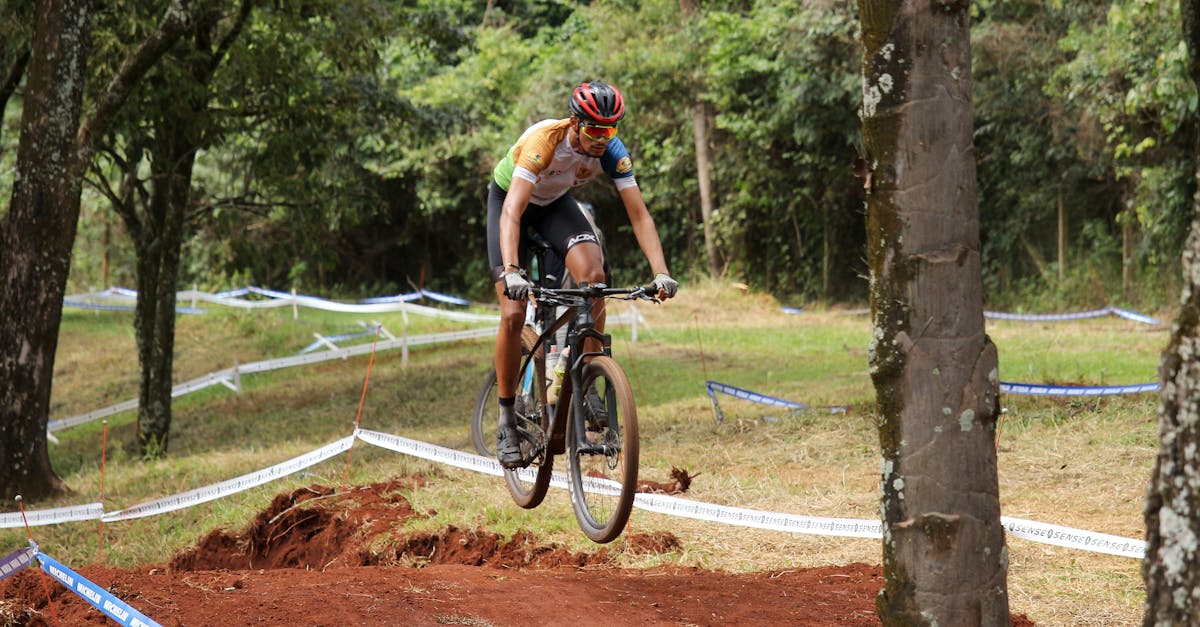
(515, 203)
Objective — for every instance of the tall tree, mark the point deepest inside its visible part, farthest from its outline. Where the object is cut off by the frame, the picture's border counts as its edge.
(170, 132)
(1171, 569)
(56, 146)
(242, 69)
(702, 124)
(933, 367)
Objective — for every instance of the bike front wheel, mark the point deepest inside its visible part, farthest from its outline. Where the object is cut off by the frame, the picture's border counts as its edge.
(603, 450)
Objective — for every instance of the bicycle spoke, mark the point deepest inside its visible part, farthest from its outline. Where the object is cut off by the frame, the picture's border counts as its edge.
(604, 460)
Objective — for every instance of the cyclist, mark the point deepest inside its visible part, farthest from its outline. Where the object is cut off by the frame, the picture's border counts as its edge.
(531, 188)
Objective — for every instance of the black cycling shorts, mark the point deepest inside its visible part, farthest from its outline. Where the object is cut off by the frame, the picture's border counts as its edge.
(563, 223)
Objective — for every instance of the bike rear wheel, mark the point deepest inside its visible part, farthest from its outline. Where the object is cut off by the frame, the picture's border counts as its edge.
(528, 486)
(483, 422)
(604, 461)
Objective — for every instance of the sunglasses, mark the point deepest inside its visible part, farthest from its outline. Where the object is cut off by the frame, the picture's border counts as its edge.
(596, 132)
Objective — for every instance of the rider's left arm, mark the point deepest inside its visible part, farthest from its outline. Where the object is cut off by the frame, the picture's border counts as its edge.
(644, 229)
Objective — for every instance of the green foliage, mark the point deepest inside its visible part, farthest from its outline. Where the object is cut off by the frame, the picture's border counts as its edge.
(789, 115)
(350, 144)
(1127, 81)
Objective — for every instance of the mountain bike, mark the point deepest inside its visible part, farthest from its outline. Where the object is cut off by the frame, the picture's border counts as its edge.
(596, 429)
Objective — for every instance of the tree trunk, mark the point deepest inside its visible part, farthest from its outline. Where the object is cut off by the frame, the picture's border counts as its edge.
(826, 252)
(158, 234)
(1127, 254)
(701, 125)
(158, 245)
(1171, 570)
(39, 230)
(35, 250)
(12, 78)
(1062, 239)
(933, 367)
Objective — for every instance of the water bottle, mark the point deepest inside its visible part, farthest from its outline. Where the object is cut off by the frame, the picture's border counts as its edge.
(551, 363)
(560, 368)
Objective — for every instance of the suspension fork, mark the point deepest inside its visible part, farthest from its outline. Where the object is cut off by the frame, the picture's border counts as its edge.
(583, 330)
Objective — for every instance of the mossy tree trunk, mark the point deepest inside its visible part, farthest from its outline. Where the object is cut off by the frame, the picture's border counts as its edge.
(1171, 569)
(933, 367)
(35, 245)
(56, 145)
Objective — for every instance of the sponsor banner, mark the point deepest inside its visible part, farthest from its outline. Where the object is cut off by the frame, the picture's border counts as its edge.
(15, 562)
(1033, 389)
(53, 516)
(100, 598)
(231, 486)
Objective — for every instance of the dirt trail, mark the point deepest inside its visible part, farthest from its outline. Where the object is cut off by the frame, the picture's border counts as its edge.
(315, 557)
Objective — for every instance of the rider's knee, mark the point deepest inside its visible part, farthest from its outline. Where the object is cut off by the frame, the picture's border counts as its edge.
(512, 322)
(593, 275)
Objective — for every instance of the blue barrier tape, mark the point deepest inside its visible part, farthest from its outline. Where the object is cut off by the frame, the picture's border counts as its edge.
(1078, 315)
(1136, 317)
(15, 562)
(1026, 389)
(411, 296)
(1033, 389)
(100, 598)
(754, 397)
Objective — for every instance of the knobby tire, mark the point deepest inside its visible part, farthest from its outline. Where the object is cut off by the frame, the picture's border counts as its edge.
(603, 486)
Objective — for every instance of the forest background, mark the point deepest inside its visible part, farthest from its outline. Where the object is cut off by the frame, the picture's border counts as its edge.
(346, 146)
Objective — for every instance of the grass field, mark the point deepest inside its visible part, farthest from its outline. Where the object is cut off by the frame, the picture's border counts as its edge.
(1080, 463)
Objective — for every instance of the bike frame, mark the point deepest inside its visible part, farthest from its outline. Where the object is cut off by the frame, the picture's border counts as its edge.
(581, 323)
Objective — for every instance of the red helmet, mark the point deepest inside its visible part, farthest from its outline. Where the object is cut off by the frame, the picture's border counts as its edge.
(597, 103)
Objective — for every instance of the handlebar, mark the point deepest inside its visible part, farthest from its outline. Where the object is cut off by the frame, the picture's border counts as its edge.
(576, 295)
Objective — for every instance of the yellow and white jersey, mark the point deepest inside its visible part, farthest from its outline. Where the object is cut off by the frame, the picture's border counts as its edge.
(543, 156)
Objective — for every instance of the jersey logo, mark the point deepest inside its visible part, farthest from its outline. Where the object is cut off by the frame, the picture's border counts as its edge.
(625, 165)
(535, 160)
(583, 173)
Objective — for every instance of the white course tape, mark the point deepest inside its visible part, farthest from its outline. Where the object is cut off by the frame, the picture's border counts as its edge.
(759, 519)
(658, 503)
(52, 516)
(228, 375)
(451, 457)
(285, 299)
(231, 486)
(1074, 538)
